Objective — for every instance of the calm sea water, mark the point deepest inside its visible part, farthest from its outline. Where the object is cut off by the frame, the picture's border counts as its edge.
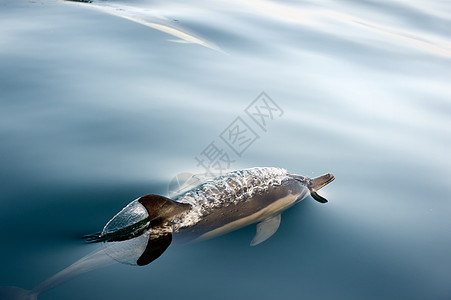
(96, 110)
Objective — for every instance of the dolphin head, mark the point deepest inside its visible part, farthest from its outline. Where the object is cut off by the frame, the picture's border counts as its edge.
(314, 184)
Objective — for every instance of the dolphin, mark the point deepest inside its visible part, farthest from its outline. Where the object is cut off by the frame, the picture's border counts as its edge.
(214, 207)
(144, 229)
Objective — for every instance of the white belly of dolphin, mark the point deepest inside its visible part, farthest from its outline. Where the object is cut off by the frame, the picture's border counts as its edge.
(273, 209)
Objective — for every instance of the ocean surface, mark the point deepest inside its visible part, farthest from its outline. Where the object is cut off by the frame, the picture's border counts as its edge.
(101, 103)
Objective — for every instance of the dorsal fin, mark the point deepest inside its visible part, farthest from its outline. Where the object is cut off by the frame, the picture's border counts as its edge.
(161, 208)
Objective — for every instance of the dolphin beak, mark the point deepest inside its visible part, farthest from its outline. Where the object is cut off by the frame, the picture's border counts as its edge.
(317, 183)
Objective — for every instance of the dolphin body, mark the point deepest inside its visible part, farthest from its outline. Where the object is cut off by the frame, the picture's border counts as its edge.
(214, 207)
(145, 228)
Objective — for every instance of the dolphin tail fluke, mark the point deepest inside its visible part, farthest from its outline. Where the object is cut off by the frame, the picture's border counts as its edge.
(16, 293)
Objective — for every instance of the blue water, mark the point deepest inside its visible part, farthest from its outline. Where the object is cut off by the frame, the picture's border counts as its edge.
(97, 110)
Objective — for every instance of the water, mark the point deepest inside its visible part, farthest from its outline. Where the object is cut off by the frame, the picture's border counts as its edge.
(97, 110)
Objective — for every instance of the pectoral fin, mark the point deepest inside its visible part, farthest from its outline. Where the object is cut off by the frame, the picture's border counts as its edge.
(318, 197)
(156, 245)
(266, 229)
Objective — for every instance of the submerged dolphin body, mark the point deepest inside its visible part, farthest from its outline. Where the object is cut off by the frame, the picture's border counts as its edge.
(145, 228)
